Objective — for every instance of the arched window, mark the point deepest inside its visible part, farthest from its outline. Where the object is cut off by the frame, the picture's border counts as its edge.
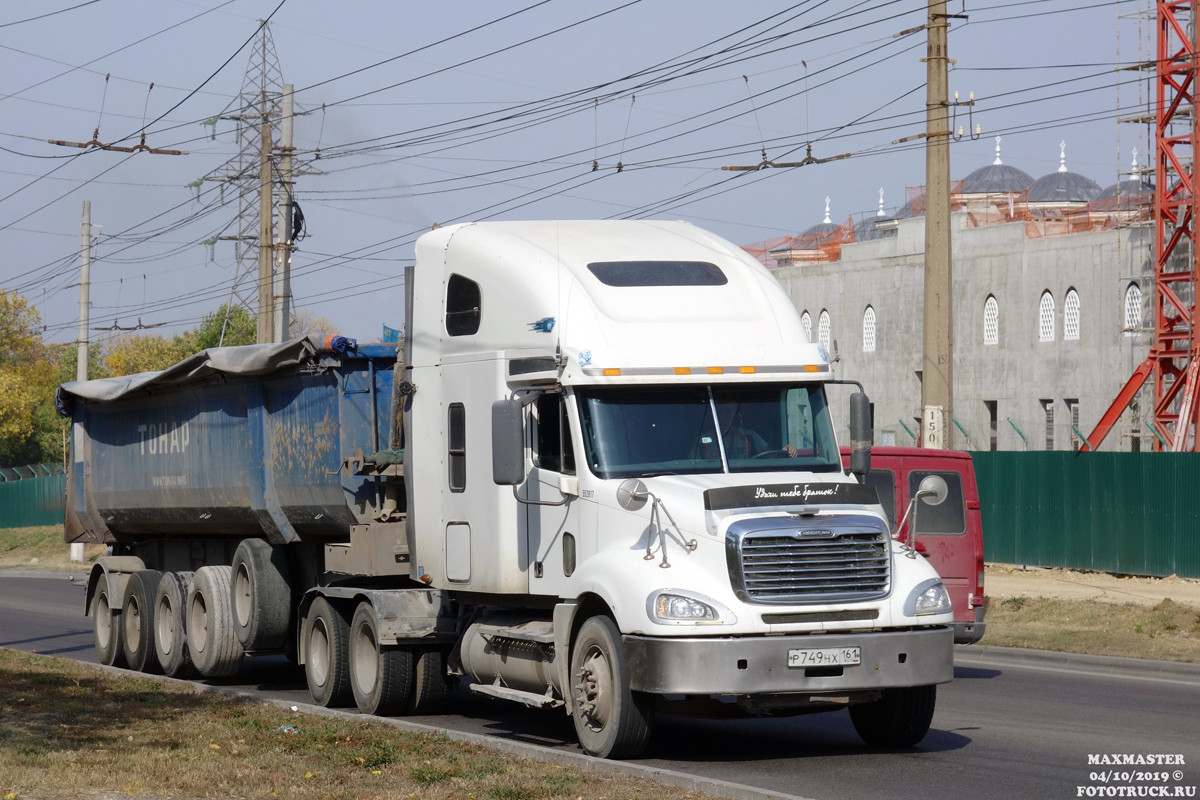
(991, 321)
(1133, 309)
(823, 330)
(1046, 318)
(806, 321)
(869, 330)
(1071, 316)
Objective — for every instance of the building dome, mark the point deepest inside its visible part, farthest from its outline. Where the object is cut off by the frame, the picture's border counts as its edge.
(867, 229)
(1130, 187)
(997, 179)
(1063, 187)
(820, 228)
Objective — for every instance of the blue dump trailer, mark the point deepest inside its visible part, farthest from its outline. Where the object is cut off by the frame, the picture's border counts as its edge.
(254, 445)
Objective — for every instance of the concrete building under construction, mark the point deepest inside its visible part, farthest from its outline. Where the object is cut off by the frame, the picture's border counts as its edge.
(1053, 281)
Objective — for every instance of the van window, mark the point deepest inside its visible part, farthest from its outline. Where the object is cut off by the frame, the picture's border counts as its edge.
(462, 306)
(883, 481)
(950, 516)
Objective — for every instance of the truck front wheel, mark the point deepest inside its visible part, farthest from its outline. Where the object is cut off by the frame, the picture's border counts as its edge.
(611, 720)
(900, 718)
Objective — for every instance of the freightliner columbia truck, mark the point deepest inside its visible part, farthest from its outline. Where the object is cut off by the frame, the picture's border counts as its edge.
(602, 475)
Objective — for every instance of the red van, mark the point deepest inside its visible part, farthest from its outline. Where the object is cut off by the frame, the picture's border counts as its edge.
(950, 535)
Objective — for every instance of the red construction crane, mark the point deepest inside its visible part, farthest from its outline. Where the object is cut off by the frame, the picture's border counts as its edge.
(1174, 360)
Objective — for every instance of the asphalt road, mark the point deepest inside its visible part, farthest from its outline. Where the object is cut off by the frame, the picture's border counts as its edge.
(1002, 730)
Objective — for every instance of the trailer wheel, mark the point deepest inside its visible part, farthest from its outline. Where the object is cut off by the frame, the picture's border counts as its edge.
(170, 629)
(381, 677)
(611, 720)
(106, 628)
(262, 595)
(900, 718)
(327, 655)
(429, 685)
(137, 620)
(213, 645)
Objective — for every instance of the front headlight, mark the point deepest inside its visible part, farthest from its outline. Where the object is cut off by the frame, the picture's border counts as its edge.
(680, 607)
(929, 597)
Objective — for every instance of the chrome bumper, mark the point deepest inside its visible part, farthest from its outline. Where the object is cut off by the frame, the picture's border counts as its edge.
(758, 664)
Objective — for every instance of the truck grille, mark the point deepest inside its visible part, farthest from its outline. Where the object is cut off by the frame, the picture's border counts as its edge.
(821, 562)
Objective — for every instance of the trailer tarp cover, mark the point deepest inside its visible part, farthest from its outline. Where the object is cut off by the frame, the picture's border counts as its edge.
(250, 359)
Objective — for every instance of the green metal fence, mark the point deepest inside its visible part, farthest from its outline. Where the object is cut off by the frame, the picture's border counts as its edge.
(33, 495)
(1132, 513)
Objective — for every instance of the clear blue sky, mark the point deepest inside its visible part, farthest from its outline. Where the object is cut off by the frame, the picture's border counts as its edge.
(439, 150)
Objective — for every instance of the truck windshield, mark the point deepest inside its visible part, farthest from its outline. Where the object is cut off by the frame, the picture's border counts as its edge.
(646, 431)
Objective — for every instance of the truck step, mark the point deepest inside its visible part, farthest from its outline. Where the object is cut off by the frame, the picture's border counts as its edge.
(530, 699)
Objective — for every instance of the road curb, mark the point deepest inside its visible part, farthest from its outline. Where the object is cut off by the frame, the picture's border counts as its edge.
(695, 783)
(1117, 666)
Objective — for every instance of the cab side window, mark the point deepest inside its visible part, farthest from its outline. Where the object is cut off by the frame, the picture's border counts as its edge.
(555, 452)
(463, 306)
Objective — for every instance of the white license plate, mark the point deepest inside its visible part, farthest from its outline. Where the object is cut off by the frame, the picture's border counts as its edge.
(825, 657)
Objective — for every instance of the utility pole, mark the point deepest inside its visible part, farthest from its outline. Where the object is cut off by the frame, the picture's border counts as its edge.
(937, 375)
(85, 269)
(266, 278)
(283, 269)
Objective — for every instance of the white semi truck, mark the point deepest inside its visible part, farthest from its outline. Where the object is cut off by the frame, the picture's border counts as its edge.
(603, 477)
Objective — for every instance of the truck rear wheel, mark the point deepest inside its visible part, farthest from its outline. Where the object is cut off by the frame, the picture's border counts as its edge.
(262, 595)
(381, 678)
(211, 640)
(429, 684)
(170, 628)
(900, 718)
(106, 627)
(137, 620)
(611, 720)
(327, 655)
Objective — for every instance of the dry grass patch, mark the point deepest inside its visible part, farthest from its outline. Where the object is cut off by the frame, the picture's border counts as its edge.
(42, 547)
(1168, 631)
(71, 730)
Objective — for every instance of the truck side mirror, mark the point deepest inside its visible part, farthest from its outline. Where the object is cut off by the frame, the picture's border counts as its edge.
(508, 443)
(861, 434)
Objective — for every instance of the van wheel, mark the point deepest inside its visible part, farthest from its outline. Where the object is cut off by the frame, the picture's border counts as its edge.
(137, 621)
(211, 640)
(327, 655)
(106, 627)
(611, 720)
(900, 718)
(170, 627)
(381, 677)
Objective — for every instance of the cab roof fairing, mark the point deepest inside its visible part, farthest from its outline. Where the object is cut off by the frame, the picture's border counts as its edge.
(538, 292)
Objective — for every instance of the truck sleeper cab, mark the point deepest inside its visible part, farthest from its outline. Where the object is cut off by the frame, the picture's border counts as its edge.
(602, 478)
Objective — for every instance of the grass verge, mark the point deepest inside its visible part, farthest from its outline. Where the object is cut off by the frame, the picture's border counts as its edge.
(1168, 631)
(71, 730)
(42, 547)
